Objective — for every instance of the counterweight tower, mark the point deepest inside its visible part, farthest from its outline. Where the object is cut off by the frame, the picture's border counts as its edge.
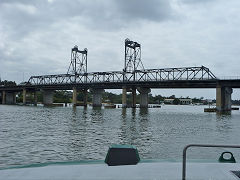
(78, 63)
(132, 57)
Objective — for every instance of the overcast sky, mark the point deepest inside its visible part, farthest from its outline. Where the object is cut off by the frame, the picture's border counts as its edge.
(36, 37)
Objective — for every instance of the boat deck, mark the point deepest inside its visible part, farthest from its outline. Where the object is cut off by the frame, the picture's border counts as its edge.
(141, 171)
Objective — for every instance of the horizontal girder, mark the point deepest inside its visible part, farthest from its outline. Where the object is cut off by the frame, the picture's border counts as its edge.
(168, 74)
(186, 77)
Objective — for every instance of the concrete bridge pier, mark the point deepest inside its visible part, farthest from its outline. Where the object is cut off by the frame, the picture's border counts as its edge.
(134, 97)
(48, 97)
(3, 97)
(124, 97)
(10, 98)
(74, 98)
(97, 97)
(85, 97)
(144, 97)
(24, 96)
(223, 98)
(35, 98)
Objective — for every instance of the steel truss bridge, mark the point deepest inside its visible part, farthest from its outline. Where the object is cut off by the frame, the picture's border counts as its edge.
(187, 77)
(133, 75)
(157, 78)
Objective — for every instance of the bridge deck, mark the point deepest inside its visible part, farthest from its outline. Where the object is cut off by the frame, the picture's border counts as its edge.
(187, 77)
(119, 85)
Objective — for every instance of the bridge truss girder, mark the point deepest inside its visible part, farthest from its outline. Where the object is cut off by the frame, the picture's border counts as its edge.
(158, 75)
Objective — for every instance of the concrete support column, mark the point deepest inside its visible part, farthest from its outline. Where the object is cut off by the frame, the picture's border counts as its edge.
(97, 97)
(3, 97)
(124, 97)
(144, 97)
(10, 98)
(223, 98)
(74, 98)
(48, 97)
(24, 96)
(35, 98)
(134, 97)
(14, 98)
(85, 97)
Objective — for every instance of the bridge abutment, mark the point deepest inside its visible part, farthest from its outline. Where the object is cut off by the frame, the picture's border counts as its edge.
(223, 98)
(97, 97)
(48, 97)
(144, 97)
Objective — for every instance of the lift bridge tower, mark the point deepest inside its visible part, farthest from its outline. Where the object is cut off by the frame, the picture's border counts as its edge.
(78, 66)
(78, 63)
(132, 57)
(132, 64)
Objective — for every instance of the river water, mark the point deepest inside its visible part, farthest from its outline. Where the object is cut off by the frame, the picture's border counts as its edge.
(30, 135)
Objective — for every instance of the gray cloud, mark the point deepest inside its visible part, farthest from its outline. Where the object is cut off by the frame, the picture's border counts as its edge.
(36, 36)
(196, 1)
(155, 10)
(27, 27)
(25, 16)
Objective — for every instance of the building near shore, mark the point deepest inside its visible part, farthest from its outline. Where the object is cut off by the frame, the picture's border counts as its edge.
(168, 101)
(185, 101)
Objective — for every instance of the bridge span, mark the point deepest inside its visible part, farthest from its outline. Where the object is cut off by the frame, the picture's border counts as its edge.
(133, 77)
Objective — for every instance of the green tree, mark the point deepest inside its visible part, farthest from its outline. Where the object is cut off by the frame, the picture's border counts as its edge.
(176, 101)
(8, 83)
(61, 97)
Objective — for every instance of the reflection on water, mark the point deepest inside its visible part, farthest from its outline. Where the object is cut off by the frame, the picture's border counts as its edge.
(40, 134)
(223, 123)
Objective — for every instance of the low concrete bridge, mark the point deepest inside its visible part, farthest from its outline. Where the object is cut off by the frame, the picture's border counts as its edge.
(133, 78)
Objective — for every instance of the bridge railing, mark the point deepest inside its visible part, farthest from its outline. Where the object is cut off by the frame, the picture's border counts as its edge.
(168, 74)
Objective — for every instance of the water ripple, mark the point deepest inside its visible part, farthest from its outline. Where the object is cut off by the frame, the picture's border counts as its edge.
(39, 134)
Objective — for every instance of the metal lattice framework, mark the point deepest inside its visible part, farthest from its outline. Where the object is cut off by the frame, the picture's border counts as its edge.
(78, 63)
(132, 57)
(157, 75)
(133, 71)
